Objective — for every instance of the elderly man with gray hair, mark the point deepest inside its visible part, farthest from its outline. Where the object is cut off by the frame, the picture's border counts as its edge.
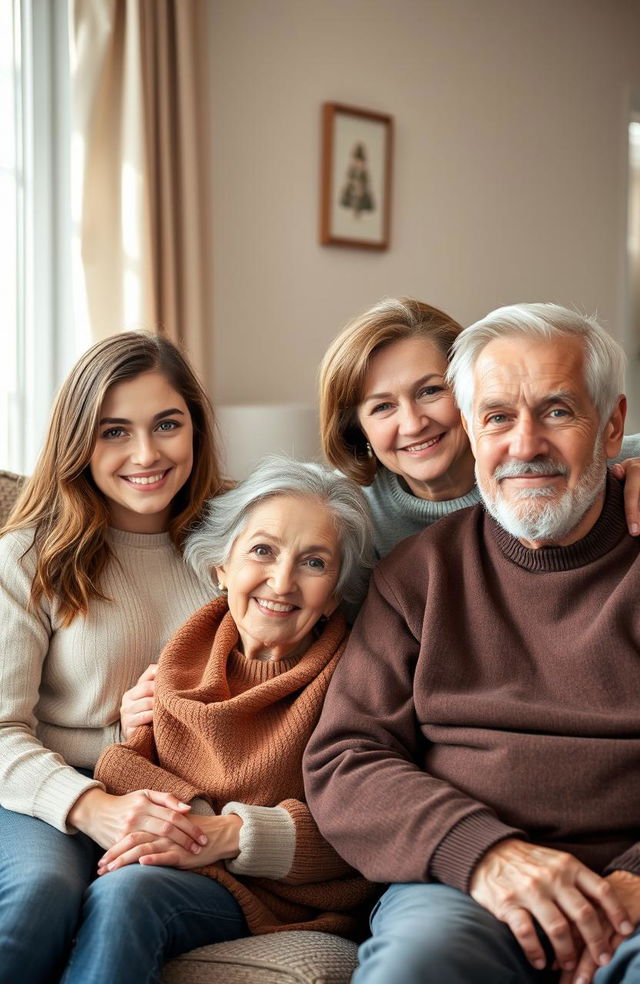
(480, 738)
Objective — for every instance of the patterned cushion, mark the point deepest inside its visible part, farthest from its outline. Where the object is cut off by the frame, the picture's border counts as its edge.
(301, 957)
(9, 488)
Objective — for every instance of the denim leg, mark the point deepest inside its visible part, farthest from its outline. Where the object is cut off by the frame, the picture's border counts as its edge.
(433, 934)
(625, 964)
(136, 918)
(43, 875)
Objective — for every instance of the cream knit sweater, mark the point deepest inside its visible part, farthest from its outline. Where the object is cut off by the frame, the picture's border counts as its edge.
(61, 688)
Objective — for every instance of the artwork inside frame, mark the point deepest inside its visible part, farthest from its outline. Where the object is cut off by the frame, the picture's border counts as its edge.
(355, 206)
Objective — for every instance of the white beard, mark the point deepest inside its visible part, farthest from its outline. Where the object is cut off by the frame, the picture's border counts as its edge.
(529, 517)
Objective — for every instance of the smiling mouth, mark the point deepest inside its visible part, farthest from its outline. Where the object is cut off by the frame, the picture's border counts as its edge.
(274, 607)
(531, 476)
(423, 445)
(143, 481)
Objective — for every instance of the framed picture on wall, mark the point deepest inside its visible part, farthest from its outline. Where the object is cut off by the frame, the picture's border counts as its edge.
(355, 196)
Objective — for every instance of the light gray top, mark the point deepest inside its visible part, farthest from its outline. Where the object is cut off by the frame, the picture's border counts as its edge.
(397, 513)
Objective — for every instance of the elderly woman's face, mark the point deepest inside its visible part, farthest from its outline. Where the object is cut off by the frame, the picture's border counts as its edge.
(281, 574)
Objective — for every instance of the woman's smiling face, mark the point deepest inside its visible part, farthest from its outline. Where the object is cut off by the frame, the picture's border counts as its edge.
(143, 453)
(409, 418)
(281, 574)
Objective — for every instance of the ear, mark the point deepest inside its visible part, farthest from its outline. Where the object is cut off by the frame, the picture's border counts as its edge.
(220, 575)
(613, 431)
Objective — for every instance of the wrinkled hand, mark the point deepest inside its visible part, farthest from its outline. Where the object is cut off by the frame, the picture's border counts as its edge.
(629, 472)
(137, 703)
(107, 819)
(627, 888)
(520, 882)
(223, 842)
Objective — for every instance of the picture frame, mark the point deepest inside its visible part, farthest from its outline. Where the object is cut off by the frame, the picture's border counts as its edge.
(355, 195)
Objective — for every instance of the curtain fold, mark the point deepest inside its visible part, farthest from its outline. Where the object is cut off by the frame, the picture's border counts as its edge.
(140, 147)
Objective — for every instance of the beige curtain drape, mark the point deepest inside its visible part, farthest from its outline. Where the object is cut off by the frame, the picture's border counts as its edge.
(139, 166)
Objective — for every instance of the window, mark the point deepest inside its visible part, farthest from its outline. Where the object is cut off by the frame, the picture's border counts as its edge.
(38, 336)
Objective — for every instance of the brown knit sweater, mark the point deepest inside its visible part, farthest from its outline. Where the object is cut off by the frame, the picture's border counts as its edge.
(231, 729)
(487, 691)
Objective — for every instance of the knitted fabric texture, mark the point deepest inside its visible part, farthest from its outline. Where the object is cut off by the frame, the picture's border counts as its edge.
(228, 728)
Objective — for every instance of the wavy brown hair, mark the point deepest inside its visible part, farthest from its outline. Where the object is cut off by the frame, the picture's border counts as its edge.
(344, 368)
(61, 501)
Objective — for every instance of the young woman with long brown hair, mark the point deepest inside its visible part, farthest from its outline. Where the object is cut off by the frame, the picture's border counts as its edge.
(92, 585)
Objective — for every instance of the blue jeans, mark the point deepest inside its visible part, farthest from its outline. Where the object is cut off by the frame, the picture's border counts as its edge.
(433, 934)
(43, 876)
(136, 918)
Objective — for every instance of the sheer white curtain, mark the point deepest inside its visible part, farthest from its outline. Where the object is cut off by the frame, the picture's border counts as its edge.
(39, 339)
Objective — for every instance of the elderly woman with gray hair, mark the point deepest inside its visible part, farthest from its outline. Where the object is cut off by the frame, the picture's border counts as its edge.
(238, 692)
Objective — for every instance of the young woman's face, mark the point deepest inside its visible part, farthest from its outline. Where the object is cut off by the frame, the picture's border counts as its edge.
(411, 421)
(281, 574)
(143, 453)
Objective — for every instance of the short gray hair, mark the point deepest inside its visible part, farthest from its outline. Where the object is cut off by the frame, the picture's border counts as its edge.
(604, 359)
(227, 515)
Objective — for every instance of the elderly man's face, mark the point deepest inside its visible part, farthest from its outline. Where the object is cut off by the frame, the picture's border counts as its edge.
(540, 460)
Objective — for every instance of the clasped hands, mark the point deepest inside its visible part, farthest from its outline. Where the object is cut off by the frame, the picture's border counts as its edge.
(152, 827)
(221, 840)
(583, 915)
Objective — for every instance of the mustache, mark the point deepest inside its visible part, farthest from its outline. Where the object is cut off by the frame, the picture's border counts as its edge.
(540, 466)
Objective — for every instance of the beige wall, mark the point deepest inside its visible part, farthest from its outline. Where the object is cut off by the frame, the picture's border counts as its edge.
(509, 175)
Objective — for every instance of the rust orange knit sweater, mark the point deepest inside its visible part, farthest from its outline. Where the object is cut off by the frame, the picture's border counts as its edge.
(231, 729)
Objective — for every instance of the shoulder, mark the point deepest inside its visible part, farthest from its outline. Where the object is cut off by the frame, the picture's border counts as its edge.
(630, 448)
(17, 567)
(17, 547)
(445, 540)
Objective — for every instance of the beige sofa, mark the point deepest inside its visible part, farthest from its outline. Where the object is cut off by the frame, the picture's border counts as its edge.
(280, 958)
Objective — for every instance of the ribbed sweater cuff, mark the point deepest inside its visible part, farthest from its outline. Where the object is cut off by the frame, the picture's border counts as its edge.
(267, 841)
(459, 851)
(629, 861)
(56, 797)
(200, 808)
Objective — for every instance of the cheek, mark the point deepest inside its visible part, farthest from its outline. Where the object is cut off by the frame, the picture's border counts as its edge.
(244, 583)
(99, 466)
(378, 433)
(318, 595)
(451, 415)
(186, 450)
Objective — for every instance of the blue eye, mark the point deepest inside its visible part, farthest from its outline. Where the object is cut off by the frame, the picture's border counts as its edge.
(379, 407)
(497, 418)
(168, 425)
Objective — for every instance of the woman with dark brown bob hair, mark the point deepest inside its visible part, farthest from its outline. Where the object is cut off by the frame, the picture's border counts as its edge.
(388, 419)
(92, 585)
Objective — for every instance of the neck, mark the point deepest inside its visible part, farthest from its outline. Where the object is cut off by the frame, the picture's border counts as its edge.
(254, 649)
(456, 482)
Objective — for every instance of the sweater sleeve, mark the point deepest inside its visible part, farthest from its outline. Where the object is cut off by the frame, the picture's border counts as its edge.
(283, 843)
(134, 765)
(364, 779)
(629, 861)
(33, 779)
(630, 448)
